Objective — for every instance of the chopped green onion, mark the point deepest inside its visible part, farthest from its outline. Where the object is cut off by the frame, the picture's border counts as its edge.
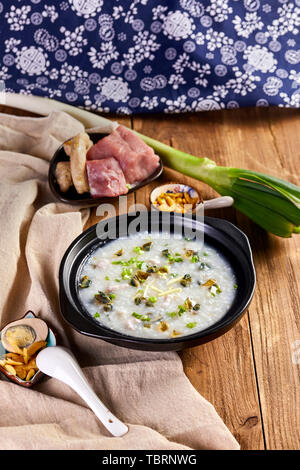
(172, 259)
(181, 310)
(127, 273)
(215, 289)
(97, 315)
(141, 317)
(172, 314)
(191, 325)
(139, 264)
(126, 263)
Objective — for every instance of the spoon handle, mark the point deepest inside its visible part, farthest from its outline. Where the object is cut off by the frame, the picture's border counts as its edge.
(60, 363)
(218, 202)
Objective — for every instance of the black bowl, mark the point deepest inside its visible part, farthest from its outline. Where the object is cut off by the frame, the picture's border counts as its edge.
(71, 196)
(225, 237)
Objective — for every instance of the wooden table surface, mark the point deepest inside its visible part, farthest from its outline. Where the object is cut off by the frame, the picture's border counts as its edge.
(250, 374)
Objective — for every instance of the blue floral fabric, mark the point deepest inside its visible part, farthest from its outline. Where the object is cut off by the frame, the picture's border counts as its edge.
(149, 56)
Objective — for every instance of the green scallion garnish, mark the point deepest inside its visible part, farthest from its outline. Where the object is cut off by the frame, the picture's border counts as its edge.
(140, 317)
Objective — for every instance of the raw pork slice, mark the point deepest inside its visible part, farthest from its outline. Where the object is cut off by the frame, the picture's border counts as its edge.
(106, 178)
(136, 159)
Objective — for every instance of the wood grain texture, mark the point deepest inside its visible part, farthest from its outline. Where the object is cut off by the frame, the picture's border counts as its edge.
(265, 385)
(252, 373)
(275, 310)
(223, 370)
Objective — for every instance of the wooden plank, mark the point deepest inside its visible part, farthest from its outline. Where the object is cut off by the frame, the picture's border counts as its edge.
(267, 140)
(274, 312)
(223, 370)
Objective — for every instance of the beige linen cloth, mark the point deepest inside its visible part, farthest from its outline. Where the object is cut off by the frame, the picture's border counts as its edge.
(148, 391)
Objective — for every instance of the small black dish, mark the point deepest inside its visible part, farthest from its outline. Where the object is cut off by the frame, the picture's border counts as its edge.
(71, 196)
(225, 237)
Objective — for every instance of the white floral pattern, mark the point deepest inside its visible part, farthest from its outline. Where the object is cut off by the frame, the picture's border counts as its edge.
(149, 56)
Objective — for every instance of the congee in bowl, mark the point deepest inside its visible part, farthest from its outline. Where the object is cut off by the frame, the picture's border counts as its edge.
(156, 286)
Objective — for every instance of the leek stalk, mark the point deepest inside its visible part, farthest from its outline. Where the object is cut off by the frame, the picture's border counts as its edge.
(272, 203)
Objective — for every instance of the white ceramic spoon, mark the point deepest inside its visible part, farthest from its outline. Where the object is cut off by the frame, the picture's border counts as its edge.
(59, 362)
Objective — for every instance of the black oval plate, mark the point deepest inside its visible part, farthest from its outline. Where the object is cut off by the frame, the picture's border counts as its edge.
(71, 196)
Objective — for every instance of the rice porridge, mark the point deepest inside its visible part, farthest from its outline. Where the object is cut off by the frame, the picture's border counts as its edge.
(154, 286)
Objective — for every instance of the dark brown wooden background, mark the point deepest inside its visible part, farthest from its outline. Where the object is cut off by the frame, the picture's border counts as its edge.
(251, 374)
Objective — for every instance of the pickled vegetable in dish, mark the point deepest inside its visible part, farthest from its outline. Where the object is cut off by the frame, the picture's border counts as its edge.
(154, 286)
